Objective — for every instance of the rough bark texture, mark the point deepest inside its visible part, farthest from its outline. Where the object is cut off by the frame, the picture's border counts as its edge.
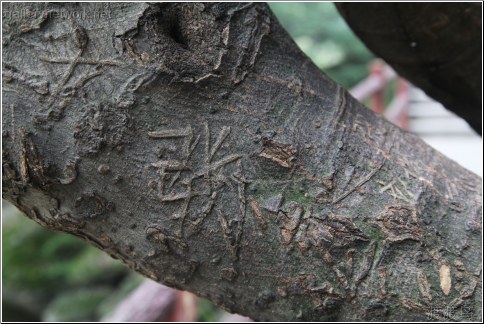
(197, 144)
(437, 46)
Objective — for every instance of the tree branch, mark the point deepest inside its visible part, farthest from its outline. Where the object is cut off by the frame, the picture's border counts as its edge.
(214, 157)
(438, 47)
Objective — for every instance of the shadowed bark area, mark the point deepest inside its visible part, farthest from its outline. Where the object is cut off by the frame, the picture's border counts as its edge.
(436, 46)
(196, 143)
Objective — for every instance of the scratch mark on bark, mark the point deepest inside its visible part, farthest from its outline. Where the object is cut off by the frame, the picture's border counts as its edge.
(207, 143)
(383, 278)
(257, 212)
(81, 60)
(12, 112)
(169, 133)
(349, 262)
(220, 139)
(364, 180)
(367, 263)
(342, 105)
(242, 205)
(328, 258)
(424, 285)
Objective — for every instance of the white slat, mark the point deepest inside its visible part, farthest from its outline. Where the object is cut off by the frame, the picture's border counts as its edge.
(435, 125)
(428, 109)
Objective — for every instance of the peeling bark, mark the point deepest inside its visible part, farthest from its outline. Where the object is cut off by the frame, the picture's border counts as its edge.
(342, 217)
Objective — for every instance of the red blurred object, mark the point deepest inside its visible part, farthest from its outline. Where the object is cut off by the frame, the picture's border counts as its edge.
(378, 97)
(380, 77)
(185, 308)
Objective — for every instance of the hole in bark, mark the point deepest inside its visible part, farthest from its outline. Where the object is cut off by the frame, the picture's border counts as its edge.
(175, 33)
(168, 20)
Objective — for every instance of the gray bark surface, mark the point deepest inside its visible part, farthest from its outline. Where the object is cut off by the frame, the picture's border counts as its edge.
(196, 143)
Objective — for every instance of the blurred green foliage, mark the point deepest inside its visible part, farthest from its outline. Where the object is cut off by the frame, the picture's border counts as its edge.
(323, 35)
(207, 311)
(64, 278)
(57, 277)
(75, 305)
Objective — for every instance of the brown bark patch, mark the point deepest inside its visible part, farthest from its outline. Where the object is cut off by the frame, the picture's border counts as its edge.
(282, 154)
(445, 279)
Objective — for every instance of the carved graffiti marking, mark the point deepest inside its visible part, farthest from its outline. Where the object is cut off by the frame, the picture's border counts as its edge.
(328, 235)
(81, 39)
(398, 189)
(185, 178)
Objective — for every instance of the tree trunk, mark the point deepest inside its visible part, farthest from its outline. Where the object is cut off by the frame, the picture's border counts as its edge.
(437, 46)
(196, 143)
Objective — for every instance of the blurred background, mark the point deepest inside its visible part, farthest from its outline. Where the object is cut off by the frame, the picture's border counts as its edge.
(56, 277)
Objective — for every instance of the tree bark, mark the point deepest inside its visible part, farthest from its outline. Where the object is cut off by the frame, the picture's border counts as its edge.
(196, 143)
(436, 46)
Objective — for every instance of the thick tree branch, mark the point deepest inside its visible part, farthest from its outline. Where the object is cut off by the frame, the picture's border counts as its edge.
(196, 143)
(437, 46)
